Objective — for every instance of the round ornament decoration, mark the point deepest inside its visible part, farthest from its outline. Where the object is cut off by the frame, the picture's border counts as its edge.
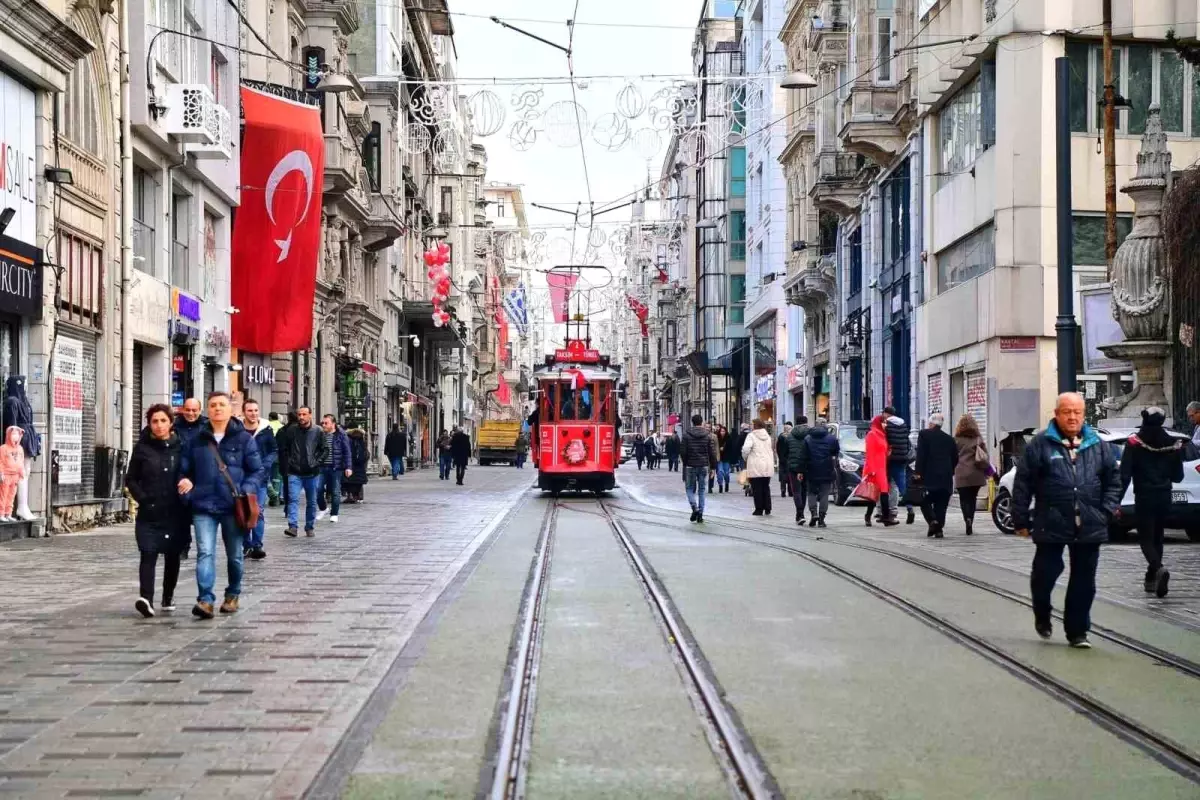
(487, 112)
(597, 237)
(416, 138)
(563, 121)
(647, 142)
(522, 135)
(630, 103)
(611, 131)
(446, 149)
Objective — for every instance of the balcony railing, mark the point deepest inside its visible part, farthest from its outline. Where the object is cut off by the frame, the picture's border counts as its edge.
(87, 171)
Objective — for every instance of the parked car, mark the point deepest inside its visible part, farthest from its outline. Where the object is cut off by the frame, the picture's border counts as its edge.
(852, 438)
(1185, 495)
(626, 447)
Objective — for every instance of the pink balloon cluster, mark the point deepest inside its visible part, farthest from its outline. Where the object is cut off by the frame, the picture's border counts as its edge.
(436, 258)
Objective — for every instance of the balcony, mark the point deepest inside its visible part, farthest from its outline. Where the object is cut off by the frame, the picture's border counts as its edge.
(840, 182)
(87, 170)
(217, 121)
(382, 226)
(341, 165)
(870, 129)
(812, 281)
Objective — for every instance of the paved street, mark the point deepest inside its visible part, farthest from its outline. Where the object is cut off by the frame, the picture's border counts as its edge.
(372, 661)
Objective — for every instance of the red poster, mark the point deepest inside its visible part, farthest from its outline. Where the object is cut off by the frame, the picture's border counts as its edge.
(277, 232)
(561, 284)
(503, 393)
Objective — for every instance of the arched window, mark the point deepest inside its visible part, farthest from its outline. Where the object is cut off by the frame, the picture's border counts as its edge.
(79, 118)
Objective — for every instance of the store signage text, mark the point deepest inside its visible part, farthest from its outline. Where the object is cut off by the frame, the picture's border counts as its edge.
(184, 305)
(20, 278)
(257, 373)
(18, 158)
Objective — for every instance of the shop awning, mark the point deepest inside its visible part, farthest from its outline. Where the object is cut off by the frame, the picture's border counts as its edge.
(369, 368)
(416, 398)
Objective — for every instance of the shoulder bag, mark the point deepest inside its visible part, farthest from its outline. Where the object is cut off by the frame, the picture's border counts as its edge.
(981, 456)
(245, 506)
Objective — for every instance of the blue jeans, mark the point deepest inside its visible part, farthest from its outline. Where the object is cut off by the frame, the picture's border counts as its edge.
(310, 486)
(723, 468)
(444, 464)
(206, 551)
(898, 484)
(255, 537)
(331, 481)
(397, 465)
(697, 484)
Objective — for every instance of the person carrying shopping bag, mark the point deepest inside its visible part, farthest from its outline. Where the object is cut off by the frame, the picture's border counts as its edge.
(874, 485)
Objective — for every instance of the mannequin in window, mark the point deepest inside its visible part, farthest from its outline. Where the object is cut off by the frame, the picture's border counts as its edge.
(19, 413)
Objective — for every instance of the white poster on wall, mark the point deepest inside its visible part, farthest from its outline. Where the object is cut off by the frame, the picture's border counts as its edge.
(18, 173)
(68, 410)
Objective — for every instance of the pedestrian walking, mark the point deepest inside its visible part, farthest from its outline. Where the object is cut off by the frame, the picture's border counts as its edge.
(522, 448)
(360, 458)
(899, 456)
(937, 460)
(162, 525)
(816, 468)
(731, 457)
(1070, 477)
(395, 447)
(221, 460)
(1193, 414)
(671, 446)
(1153, 462)
(282, 445)
(651, 452)
(875, 472)
(971, 474)
(796, 439)
(758, 451)
(639, 449)
(275, 422)
(698, 452)
(460, 453)
(268, 451)
(335, 467)
(275, 477)
(781, 458)
(445, 457)
(189, 421)
(304, 448)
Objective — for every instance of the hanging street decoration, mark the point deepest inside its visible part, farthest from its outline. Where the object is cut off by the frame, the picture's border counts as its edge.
(641, 311)
(436, 259)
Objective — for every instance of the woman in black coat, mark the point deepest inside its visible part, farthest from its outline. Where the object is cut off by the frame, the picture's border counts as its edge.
(162, 518)
(359, 457)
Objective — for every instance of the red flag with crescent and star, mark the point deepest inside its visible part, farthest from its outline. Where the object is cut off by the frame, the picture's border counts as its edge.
(277, 229)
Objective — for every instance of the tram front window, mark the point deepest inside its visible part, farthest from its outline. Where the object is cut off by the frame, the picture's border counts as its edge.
(576, 404)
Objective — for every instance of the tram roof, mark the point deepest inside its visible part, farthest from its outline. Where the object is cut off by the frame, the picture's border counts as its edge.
(558, 370)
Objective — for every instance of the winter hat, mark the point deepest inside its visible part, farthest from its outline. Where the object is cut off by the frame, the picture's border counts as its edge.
(1153, 417)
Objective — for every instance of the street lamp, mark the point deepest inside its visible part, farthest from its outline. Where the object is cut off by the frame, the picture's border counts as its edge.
(333, 83)
(798, 80)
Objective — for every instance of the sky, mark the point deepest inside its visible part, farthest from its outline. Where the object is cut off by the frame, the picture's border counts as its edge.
(554, 175)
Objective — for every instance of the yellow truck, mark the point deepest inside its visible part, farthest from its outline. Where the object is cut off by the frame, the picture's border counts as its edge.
(497, 441)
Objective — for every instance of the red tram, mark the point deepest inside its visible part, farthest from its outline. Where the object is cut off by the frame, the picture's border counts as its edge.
(576, 427)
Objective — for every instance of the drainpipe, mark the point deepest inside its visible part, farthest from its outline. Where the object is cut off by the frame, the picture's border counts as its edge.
(127, 420)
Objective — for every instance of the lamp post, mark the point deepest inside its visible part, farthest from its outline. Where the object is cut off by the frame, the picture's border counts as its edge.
(1064, 327)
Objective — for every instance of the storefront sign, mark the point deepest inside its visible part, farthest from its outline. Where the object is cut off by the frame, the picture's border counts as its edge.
(583, 356)
(185, 306)
(67, 418)
(764, 388)
(18, 159)
(795, 378)
(260, 374)
(1018, 344)
(20, 278)
(149, 310)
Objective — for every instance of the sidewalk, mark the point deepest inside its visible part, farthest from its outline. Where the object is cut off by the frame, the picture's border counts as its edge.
(93, 699)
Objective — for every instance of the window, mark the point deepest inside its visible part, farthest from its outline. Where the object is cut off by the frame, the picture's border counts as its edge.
(80, 120)
(645, 390)
(145, 212)
(737, 172)
(896, 190)
(372, 148)
(81, 293)
(179, 242)
(739, 109)
(969, 257)
(645, 350)
(962, 127)
(737, 299)
(216, 73)
(1142, 74)
(1087, 241)
(884, 47)
(500, 207)
(672, 338)
(447, 199)
(737, 235)
(856, 262)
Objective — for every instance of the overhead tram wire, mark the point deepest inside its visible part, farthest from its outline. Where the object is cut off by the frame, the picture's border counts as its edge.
(578, 127)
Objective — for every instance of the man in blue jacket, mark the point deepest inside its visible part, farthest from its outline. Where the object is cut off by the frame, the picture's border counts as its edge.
(221, 453)
(268, 451)
(1071, 477)
(188, 424)
(336, 465)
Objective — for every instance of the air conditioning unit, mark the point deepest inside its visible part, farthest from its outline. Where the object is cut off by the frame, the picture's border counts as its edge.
(188, 116)
(218, 123)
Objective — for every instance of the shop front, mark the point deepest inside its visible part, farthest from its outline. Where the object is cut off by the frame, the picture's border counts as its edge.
(258, 378)
(185, 335)
(795, 390)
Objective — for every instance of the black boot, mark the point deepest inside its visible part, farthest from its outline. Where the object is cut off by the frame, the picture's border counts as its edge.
(799, 517)
(970, 524)
(867, 518)
(812, 523)
(911, 517)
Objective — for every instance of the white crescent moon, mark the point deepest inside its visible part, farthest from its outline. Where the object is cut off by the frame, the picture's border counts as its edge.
(297, 161)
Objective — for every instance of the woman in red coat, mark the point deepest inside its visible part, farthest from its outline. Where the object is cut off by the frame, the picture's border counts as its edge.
(875, 470)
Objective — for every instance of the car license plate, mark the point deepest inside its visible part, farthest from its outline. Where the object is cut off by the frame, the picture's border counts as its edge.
(1180, 497)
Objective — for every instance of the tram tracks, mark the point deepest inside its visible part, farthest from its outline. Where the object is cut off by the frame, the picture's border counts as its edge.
(1157, 745)
(736, 755)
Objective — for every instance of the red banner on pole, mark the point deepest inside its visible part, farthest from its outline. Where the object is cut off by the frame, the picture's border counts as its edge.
(561, 284)
(503, 393)
(277, 232)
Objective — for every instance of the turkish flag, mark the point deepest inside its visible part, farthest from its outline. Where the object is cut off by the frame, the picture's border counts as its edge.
(503, 393)
(277, 230)
(561, 284)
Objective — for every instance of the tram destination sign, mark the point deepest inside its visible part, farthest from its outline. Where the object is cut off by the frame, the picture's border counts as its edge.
(577, 355)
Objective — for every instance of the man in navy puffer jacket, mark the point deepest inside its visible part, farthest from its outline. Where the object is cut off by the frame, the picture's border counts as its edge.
(221, 441)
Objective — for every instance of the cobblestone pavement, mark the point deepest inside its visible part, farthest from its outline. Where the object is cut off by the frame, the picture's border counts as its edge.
(1119, 579)
(96, 702)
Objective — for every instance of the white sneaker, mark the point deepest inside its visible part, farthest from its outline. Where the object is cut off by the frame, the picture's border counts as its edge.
(321, 515)
(333, 518)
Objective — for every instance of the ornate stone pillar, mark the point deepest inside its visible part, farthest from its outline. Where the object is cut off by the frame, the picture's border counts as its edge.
(1141, 283)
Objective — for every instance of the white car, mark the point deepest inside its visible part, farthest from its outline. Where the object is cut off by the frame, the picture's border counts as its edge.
(1185, 496)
